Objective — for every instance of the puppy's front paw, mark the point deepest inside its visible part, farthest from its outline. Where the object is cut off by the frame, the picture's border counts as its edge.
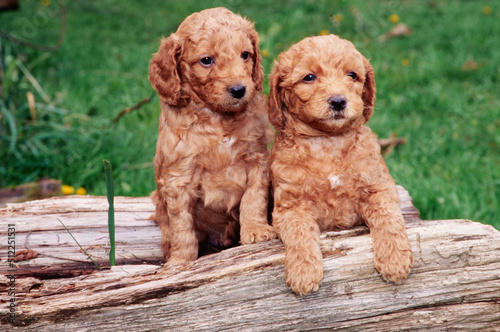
(303, 276)
(394, 265)
(257, 233)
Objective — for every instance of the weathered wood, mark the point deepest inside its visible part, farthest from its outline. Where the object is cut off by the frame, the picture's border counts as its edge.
(39, 228)
(455, 283)
(43, 188)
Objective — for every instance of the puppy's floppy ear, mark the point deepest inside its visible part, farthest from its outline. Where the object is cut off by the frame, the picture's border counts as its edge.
(276, 104)
(164, 72)
(258, 72)
(369, 91)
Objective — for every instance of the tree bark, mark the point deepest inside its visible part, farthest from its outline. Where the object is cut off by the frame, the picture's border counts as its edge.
(455, 283)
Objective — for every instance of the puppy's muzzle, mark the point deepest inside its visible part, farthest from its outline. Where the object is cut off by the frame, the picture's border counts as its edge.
(337, 103)
(237, 91)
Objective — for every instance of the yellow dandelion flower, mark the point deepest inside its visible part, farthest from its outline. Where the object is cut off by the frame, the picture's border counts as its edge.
(486, 10)
(264, 53)
(67, 190)
(46, 3)
(81, 191)
(394, 18)
(338, 18)
(405, 62)
(323, 32)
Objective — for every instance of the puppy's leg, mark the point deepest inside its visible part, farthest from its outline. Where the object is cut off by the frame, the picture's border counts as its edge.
(161, 218)
(303, 259)
(253, 208)
(180, 235)
(393, 257)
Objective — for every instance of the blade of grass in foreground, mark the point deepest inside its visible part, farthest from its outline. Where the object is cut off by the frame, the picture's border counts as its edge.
(67, 230)
(111, 211)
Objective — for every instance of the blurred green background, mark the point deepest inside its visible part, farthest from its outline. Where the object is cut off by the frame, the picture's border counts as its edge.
(437, 66)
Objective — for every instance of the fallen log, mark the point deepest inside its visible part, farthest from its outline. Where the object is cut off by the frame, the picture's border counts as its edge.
(455, 283)
(43, 188)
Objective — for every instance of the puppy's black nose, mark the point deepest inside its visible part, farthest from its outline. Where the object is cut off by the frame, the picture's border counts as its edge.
(337, 103)
(237, 91)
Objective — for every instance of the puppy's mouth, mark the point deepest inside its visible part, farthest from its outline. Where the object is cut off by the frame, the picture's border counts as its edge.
(232, 106)
(237, 105)
(335, 116)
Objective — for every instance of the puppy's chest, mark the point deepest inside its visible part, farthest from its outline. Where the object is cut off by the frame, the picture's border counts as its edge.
(337, 192)
(223, 172)
(334, 177)
(224, 151)
(328, 168)
(218, 147)
(331, 176)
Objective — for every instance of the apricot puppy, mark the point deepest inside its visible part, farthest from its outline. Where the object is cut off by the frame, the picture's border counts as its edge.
(211, 162)
(326, 167)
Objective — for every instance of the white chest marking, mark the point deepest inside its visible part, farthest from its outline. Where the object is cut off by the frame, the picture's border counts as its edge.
(226, 143)
(334, 181)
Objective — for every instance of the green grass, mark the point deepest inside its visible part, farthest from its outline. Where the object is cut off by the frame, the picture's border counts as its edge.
(108, 169)
(448, 115)
(83, 250)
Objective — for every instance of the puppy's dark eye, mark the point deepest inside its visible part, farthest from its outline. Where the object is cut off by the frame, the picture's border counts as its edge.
(352, 75)
(245, 55)
(309, 78)
(207, 61)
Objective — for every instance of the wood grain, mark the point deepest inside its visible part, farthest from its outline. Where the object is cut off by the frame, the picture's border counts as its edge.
(455, 283)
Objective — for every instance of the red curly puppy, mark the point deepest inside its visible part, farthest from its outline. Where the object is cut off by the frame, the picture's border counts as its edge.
(326, 167)
(211, 162)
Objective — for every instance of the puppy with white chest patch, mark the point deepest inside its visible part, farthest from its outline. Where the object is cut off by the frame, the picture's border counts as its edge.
(211, 162)
(327, 171)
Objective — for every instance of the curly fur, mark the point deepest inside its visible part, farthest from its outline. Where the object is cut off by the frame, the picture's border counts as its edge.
(326, 167)
(211, 162)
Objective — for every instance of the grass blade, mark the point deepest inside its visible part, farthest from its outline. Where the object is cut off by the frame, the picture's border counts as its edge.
(111, 211)
(85, 252)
